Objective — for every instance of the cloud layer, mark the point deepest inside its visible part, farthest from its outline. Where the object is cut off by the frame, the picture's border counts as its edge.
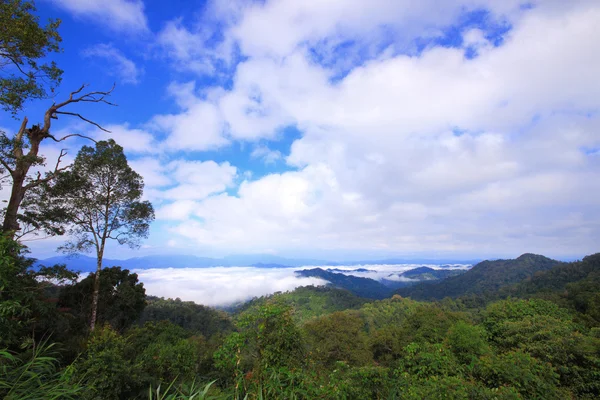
(222, 286)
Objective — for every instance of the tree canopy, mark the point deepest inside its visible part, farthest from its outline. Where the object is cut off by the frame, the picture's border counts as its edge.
(23, 43)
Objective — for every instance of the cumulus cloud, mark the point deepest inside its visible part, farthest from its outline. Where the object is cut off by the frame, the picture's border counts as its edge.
(221, 286)
(119, 65)
(401, 148)
(414, 152)
(120, 15)
(133, 140)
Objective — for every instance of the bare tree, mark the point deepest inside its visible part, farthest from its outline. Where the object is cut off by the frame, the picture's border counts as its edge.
(19, 153)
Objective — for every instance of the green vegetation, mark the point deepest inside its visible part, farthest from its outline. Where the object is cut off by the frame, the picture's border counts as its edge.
(23, 42)
(483, 279)
(311, 343)
(309, 301)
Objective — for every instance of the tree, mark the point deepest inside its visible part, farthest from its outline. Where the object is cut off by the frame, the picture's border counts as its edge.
(99, 199)
(21, 152)
(22, 43)
(25, 309)
(121, 301)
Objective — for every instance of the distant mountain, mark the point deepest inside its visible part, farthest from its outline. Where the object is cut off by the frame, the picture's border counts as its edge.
(87, 264)
(487, 276)
(562, 279)
(269, 265)
(350, 270)
(362, 287)
(430, 274)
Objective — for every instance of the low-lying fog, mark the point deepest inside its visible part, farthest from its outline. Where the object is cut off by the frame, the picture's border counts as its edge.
(221, 286)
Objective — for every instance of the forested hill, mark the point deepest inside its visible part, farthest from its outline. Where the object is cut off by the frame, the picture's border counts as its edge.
(487, 276)
(362, 287)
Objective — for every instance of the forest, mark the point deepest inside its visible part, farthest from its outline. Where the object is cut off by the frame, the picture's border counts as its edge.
(536, 338)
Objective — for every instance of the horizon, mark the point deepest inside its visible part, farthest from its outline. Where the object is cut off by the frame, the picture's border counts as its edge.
(406, 260)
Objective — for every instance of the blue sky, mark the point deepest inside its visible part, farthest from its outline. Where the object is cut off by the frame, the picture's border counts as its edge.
(346, 129)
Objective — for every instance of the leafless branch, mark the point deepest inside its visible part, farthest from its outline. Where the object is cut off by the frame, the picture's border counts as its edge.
(71, 135)
(51, 175)
(83, 118)
(77, 97)
(6, 165)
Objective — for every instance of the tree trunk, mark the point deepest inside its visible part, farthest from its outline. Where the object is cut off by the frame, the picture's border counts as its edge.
(96, 293)
(10, 225)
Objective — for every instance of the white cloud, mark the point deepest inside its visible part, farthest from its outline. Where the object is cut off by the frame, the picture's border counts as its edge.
(131, 139)
(417, 152)
(221, 285)
(197, 180)
(121, 15)
(119, 65)
(267, 155)
(199, 127)
(194, 180)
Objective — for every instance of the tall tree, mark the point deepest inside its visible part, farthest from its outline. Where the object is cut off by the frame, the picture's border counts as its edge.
(23, 42)
(99, 199)
(21, 152)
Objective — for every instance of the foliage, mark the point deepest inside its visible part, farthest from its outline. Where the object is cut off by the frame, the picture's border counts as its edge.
(484, 278)
(188, 315)
(192, 391)
(121, 302)
(310, 301)
(35, 374)
(339, 336)
(24, 308)
(23, 42)
(104, 369)
(99, 198)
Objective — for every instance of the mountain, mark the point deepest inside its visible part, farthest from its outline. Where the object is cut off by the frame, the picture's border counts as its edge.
(362, 287)
(568, 280)
(87, 264)
(487, 276)
(350, 270)
(430, 274)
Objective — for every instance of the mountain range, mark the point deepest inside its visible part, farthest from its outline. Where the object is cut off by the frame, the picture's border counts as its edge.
(84, 263)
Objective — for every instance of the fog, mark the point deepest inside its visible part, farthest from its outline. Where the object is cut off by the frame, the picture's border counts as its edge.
(222, 286)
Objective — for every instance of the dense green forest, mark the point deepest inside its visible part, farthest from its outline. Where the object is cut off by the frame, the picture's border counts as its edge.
(534, 338)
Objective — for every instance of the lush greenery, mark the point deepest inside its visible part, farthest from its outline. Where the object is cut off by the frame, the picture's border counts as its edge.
(538, 338)
(23, 43)
(484, 278)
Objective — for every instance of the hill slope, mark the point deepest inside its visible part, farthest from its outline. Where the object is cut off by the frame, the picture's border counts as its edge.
(487, 276)
(362, 287)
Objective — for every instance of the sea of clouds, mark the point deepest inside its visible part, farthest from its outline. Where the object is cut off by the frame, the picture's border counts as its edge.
(222, 286)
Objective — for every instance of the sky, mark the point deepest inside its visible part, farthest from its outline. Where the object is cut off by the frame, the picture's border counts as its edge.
(344, 129)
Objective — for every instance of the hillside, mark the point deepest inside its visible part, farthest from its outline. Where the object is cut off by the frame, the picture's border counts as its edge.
(487, 276)
(309, 301)
(362, 287)
(430, 274)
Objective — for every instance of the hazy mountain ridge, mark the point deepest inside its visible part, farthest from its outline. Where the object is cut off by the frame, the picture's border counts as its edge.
(362, 287)
(85, 263)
